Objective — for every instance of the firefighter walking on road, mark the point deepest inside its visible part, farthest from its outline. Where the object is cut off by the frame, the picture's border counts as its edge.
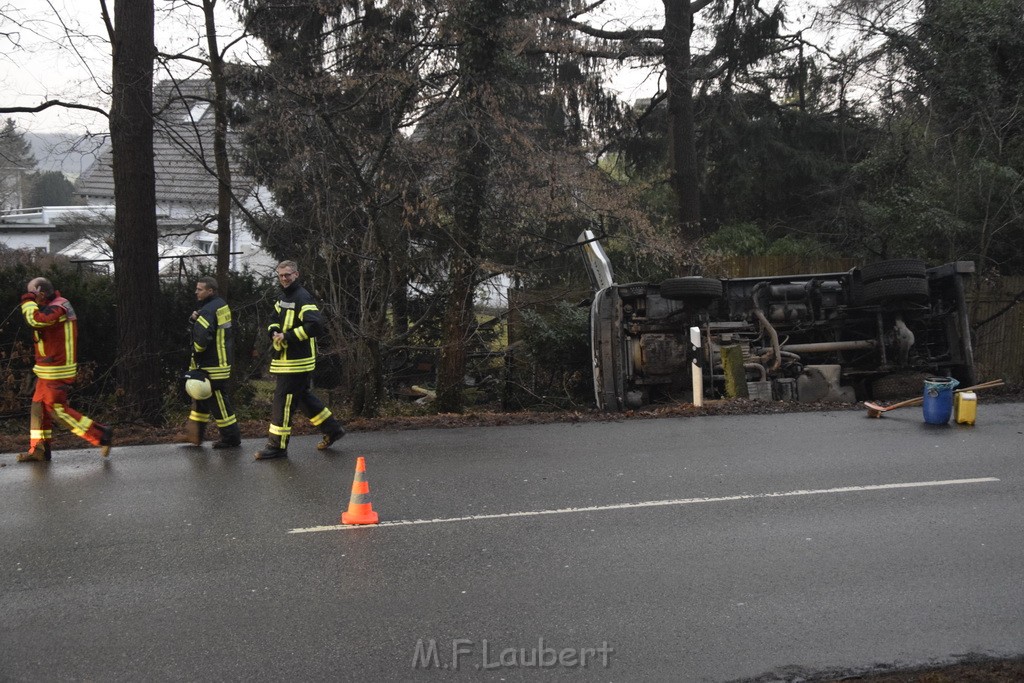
(55, 336)
(293, 337)
(212, 353)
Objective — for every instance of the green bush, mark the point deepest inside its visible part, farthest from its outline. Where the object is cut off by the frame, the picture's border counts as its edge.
(553, 367)
(93, 298)
(741, 239)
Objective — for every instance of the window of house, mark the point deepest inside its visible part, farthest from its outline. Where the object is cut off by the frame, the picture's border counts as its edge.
(196, 112)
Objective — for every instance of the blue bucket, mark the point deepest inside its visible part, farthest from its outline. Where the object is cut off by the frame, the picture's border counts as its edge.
(938, 399)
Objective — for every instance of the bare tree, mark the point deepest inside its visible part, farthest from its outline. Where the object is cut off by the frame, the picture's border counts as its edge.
(131, 35)
(213, 59)
(135, 229)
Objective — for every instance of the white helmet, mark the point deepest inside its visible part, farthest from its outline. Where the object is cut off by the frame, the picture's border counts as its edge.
(197, 385)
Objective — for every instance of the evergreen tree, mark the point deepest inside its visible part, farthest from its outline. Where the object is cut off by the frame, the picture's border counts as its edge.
(969, 73)
(944, 179)
(50, 189)
(323, 128)
(516, 184)
(16, 160)
(741, 35)
(398, 228)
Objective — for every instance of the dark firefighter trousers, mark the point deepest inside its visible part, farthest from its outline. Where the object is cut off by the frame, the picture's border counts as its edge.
(218, 405)
(291, 393)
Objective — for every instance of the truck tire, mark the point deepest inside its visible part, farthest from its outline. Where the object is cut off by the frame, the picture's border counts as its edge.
(910, 290)
(699, 291)
(897, 268)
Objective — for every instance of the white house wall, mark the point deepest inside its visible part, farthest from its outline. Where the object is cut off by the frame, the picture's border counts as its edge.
(13, 239)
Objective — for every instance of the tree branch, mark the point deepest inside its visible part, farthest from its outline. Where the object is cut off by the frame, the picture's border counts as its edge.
(631, 35)
(586, 9)
(165, 56)
(52, 103)
(107, 22)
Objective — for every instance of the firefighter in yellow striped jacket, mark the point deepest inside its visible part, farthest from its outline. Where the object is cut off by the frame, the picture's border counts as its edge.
(293, 337)
(212, 352)
(55, 338)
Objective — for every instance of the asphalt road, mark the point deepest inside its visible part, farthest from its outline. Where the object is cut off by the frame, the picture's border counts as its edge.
(647, 549)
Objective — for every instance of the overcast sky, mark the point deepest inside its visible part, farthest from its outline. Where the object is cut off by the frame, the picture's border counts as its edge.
(60, 51)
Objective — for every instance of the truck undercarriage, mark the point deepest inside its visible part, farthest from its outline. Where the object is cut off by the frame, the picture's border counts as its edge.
(841, 336)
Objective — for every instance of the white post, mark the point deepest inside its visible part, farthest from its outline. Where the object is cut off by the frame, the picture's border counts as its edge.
(695, 367)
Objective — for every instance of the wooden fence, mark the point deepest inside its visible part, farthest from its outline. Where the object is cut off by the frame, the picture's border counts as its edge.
(998, 340)
(762, 266)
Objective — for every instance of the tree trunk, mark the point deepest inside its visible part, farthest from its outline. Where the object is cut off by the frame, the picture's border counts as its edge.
(220, 149)
(479, 57)
(369, 390)
(374, 277)
(451, 369)
(683, 164)
(135, 230)
(470, 196)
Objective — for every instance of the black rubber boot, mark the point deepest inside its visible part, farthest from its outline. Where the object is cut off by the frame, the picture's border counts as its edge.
(332, 432)
(230, 437)
(270, 452)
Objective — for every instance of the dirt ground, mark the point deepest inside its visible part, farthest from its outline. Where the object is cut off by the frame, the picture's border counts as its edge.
(980, 670)
(967, 670)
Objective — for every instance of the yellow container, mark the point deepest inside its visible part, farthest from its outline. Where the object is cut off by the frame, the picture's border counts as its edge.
(965, 407)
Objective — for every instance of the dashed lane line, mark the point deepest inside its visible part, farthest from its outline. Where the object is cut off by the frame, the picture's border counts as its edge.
(650, 504)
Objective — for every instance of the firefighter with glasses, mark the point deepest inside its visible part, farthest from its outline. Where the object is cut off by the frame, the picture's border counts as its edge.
(293, 336)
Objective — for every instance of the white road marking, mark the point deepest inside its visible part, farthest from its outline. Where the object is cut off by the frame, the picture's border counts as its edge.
(652, 503)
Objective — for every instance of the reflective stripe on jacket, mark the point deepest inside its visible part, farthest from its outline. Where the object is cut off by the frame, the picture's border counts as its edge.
(55, 333)
(213, 339)
(299, 319)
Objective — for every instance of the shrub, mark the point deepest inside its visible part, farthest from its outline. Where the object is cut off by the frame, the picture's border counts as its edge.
(554, 367)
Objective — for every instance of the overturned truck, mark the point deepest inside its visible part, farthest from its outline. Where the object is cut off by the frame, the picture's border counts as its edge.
(870, 332)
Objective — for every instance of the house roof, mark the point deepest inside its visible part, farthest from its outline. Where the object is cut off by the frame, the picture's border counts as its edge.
(182, 147)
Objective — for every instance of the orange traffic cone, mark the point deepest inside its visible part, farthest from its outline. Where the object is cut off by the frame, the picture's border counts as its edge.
(360, 511)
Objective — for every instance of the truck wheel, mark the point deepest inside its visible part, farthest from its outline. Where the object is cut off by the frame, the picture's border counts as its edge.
(897, 268)
(911, 290)
(697, 291)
